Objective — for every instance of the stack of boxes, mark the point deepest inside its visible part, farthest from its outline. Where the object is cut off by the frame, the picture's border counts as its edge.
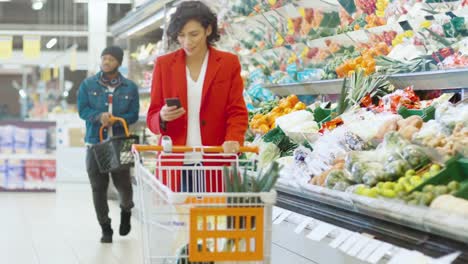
(25, 173)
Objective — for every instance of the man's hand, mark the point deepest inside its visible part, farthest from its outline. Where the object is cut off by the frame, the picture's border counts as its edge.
(106, 119)
(231, 146)
(170, 113)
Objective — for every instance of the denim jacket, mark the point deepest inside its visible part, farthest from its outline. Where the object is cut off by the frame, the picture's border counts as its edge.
(92, 102)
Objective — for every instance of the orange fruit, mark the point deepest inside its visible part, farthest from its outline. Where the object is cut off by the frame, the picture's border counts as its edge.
(293, 100)
(300, 106)
(264, 128)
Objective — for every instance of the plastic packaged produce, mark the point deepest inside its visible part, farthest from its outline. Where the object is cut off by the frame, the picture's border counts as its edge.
(449, 115)
(299, 121)
(451, 204)
(269, 152)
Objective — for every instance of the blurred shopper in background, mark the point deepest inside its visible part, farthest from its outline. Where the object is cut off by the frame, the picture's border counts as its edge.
(100, 97)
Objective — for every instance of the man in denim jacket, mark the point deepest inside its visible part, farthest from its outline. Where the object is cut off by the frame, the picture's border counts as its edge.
(108, 94)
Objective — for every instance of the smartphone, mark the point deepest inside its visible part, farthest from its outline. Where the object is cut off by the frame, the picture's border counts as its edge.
(173, 102)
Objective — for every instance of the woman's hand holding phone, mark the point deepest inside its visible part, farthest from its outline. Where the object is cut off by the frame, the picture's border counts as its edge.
(173, 112)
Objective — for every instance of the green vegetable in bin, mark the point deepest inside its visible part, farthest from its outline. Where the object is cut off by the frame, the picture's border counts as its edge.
(395, 169)
(341, 186)
(334, 177)
(372, 177)
(415, 156)
(453, 186)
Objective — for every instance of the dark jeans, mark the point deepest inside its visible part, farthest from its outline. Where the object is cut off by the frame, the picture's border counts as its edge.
(100, 183)
(192, 180)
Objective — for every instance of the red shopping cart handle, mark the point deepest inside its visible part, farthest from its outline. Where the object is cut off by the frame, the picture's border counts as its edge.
(181, 149)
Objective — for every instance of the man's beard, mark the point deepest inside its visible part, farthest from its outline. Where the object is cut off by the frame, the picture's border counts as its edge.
(114, 71)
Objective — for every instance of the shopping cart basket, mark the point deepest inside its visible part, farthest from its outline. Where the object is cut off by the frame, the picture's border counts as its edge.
(199, 227)
(115, 153)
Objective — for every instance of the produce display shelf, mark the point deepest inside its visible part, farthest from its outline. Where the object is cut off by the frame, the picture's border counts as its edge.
(28, 156)
(431, 80)
(394, 233)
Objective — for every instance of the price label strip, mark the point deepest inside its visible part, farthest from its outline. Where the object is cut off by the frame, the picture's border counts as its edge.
(276, 212)
(369, 249)
(302, 225)
(344, 234)
(350, 242)
(285, 214)
(379, 253)
(321, 231)
(358, 246)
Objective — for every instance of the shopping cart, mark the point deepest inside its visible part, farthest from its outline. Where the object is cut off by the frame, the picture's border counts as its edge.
(182, 227)
(115, 153)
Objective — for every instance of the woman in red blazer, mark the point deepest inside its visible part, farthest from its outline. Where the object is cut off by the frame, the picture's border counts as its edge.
(216, 112)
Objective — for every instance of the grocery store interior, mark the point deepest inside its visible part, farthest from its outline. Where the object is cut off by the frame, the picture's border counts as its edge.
(357, 122)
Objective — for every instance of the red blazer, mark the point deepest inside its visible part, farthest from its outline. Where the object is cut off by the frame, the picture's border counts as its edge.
(223, 114)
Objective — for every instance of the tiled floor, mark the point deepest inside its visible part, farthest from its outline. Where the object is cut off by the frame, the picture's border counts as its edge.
(60, 228)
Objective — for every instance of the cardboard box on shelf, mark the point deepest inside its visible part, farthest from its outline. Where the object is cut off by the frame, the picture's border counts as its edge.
(38, 141)
(32, 174)
(3, 172)
(22, 139)
(76, 137)
(48, 173)
(7, 139)
(15, 174)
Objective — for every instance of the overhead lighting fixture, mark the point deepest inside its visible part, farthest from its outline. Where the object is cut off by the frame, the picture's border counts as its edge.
(38, 4)
(5, 1)
(22, 93)
(51, 43)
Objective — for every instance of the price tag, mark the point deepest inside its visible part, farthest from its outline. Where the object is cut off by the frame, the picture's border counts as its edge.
(321, 231)
(358, 246)
(276, 212)
(302, 225)
(379, 253)
(344, 234)
(369, 249)
(282, 217)
(349, 242)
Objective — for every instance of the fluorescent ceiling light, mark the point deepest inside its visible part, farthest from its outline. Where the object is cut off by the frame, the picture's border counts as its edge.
(5, 0)
(107, 1)
(37, 5)
(51, 43)
(22, 93)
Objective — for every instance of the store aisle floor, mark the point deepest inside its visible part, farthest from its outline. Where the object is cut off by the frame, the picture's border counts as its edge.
(60, 228)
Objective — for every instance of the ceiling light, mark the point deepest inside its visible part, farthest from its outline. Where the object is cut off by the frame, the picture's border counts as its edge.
(38, 4)
(22, 93)
(5, 0)
(51, 43)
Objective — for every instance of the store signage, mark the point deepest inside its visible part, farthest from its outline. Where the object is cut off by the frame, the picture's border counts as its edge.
(31, 47)
(6, 47)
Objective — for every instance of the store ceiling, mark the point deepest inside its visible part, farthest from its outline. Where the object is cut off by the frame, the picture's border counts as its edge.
(55, 15)
(64, 12)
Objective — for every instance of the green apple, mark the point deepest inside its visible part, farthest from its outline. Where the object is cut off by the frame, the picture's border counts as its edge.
(398, 187)
(435, 168)
(410, 173)
(389, 193)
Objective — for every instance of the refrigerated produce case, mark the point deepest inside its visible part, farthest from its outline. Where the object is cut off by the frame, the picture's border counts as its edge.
(264, 57)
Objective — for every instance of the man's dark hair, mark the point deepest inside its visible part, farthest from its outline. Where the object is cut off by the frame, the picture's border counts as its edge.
(193, 10)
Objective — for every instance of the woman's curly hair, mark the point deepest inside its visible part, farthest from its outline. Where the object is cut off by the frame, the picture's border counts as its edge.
(193, 10)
